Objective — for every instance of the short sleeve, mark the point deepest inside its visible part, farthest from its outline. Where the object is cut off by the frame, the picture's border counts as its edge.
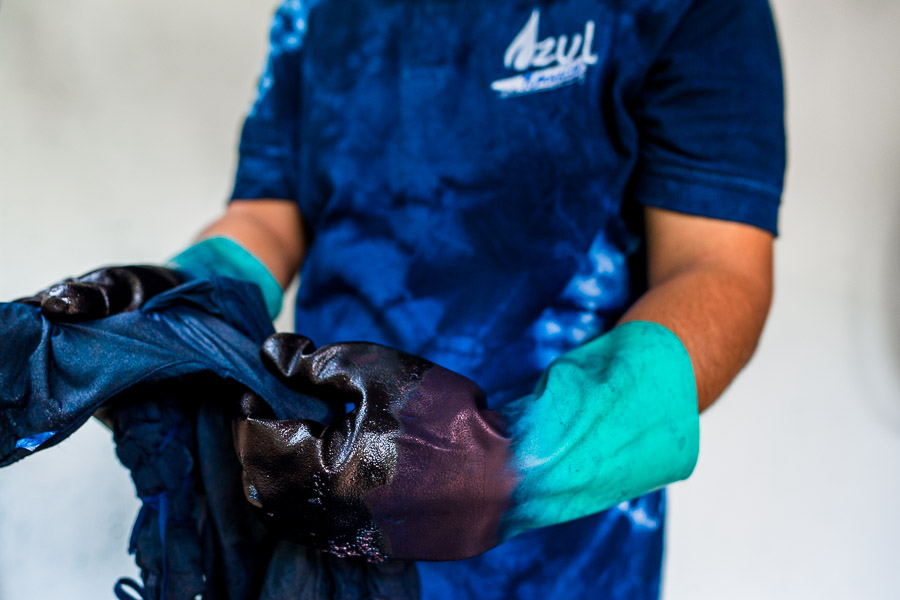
(710, 117)
(266, 153)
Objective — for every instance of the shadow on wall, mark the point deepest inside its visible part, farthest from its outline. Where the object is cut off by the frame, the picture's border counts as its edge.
(892, 301)
(875, 319)
(886, 384)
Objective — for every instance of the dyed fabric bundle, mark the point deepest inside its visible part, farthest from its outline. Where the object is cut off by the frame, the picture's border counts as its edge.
(163, 374)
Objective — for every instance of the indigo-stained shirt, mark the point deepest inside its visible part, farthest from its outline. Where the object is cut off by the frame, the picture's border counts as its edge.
(471, 176)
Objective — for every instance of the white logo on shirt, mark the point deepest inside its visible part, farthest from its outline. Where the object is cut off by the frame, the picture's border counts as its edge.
(558, 61)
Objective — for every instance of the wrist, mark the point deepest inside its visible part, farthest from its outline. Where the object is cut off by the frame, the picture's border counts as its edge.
(222, 256)
(609, 421)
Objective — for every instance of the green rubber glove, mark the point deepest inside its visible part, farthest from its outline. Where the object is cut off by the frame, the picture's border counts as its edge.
(420, 469)
(227, 258)
(609, 421)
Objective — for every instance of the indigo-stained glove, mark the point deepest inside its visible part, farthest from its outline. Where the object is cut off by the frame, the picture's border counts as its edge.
(104, 292)
(420, 470)
(113, 290)
(415, 470)
(608, 421)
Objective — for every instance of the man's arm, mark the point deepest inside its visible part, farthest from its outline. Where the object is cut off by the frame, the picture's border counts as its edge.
(261, 241)
(609, 421)
(270, 229)
(710, 284)
(710, 280)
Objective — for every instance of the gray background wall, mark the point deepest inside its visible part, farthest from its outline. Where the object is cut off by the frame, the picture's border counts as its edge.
(118, 124)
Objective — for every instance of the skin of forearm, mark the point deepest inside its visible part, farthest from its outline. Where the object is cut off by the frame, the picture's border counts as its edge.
(716, 313)
(710, 283)
(271, 230)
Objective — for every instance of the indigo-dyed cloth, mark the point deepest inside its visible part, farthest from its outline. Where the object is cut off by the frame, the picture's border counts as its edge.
(196, 533)
(471, 176)
(53, 376)
(166, 374)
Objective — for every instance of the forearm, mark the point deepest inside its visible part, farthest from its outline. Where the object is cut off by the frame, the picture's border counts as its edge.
(718, 316)
(714, 294)
(617, 416)
(271, 230)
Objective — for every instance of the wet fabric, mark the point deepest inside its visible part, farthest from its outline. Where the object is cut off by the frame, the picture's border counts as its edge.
(53, 376)
(471, 176)
(195, 532)
(169, 369)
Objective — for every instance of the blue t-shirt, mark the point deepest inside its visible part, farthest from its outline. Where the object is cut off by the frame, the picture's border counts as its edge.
(471, 176)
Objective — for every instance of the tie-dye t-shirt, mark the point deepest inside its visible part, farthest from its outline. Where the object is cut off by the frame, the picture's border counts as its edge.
(472, 176)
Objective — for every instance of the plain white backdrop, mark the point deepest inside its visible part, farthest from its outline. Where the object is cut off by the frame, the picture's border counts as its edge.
(118, 127)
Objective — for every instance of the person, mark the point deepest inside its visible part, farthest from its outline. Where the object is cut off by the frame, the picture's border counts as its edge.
(571, 203)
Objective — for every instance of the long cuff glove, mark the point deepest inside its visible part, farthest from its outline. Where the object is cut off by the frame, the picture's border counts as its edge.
(418, 469)
(227, 258)
(102, 293)
(609, 421)
(113, 290)
(415, 469)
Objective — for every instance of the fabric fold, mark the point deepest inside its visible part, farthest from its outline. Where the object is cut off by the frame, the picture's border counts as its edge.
(53, 376)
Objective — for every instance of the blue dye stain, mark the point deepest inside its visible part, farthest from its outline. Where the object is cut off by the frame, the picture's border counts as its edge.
(588, 305)
(252, 493)
(34, 442)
